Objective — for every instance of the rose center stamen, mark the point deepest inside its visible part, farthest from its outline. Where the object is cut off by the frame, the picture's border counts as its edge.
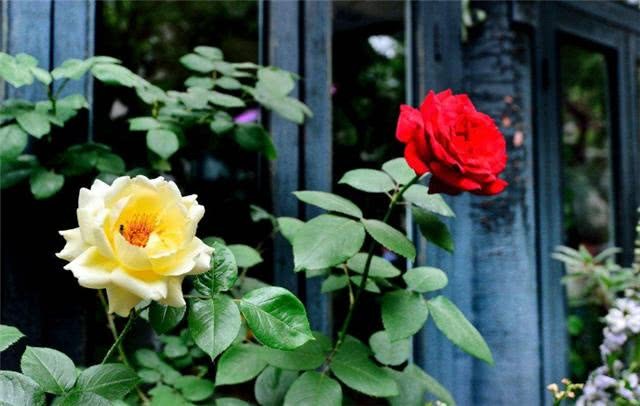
(138, 229)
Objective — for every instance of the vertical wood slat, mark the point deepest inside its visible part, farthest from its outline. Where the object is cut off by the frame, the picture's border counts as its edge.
(628, 148)
(284, 52)
(317, 135)
(437, 62)
(27, 30)
(553, 334)
(51, 32)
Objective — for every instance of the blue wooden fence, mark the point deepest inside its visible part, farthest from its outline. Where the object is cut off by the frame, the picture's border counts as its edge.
(501, 275)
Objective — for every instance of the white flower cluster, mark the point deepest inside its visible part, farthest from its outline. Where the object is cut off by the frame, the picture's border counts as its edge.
(612, 380)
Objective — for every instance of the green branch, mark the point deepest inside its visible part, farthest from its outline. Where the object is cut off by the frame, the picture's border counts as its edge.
(365, 275)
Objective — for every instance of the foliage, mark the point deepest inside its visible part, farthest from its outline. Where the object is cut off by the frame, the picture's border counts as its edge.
(214, 91)
(47, 371)
(238, 329)
(617, 379)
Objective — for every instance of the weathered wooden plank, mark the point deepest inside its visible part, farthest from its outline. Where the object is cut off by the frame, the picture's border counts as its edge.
(552, 303)
(624, 119)
(74, 37)
(27, 30)
(283, 37)
(318, 145)
(437, 65)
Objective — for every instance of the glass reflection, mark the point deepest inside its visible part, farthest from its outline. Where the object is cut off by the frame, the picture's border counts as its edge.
(587, 180)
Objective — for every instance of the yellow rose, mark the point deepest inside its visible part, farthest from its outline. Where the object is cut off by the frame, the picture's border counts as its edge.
(136, 239)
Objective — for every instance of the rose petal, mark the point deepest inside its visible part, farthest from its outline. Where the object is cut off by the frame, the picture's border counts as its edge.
(121, 301)
(75, 244)
(92, 269)
(174, 293)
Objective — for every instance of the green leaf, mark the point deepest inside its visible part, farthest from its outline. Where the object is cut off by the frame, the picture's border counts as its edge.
(429, 384)
(313, 388)
(399, 170)
(194, 389)
(197, 63)
(227, 69)
(73, 102)
(162, 142)
(51, 369)
(164, 318)
(326, 241)
(199, 81)
(275, 81)
(425, 279)
(144, 124)
(231, 402)
(334, 282)
(111, 381)
(329, 201)
(276, 317)
(433, 229)
(34, 122)
(287, 107)
(369, 286)
(110, 163)
(45, 184)
(9, 335)
(14, 73)
(175, 349)
(223, 273)
(379, 267)
(147, 358)
(149, 376)
(272, 384)
(289, 226)
(403, 313)
(310, 355)
(211, 53)
(26, 60)
(214, 323)
(353, 367)
(72, 69)
(238, 364)
(222, 122)
(112, 74)
(368, 180)
(253, 137)
(81, 398)
(419, 195)
(163, 395)
(387, 352)
(15, 171)
(19, 390)
(225, 100)
(411, 389)
(245, 256)
(390, 238)
(228, 83)
(450, 320)
(41, 75)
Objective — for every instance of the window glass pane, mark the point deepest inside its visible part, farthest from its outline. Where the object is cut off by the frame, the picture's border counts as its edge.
(150, 37)
(368, 74)
(368, 87)
(586, 176)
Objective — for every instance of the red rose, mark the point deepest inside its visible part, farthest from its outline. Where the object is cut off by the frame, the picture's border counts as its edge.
(461, 147)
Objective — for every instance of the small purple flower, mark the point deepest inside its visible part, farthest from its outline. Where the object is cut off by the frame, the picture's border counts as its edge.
(248, 116)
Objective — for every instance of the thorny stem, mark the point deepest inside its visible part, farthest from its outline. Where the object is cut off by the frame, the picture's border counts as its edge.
(117, 344)
(365, 275)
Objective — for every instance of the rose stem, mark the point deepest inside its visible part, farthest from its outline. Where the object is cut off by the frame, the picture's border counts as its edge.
(365, 275)
(118, 340)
